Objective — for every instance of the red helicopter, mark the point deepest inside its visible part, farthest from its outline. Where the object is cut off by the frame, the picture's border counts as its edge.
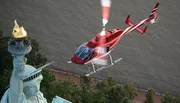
(97, 50)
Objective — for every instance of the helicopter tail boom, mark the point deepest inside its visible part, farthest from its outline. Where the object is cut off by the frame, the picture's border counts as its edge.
(142, 31)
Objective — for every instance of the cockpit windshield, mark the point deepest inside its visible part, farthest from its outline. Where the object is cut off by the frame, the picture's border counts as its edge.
(83, 52)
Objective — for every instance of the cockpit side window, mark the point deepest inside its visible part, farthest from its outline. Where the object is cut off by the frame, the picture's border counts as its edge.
(83, 52)
(79, 50)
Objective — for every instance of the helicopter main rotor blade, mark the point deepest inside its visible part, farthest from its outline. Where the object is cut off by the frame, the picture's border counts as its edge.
(102, 50)
(106, 4)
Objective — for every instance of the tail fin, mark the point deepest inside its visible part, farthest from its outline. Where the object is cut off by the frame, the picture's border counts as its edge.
(152, 17)
(142, 31)
(154, 9)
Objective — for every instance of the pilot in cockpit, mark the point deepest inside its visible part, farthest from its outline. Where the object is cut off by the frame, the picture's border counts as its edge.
(83, 52)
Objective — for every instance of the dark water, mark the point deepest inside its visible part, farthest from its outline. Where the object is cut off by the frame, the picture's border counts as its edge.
(60, 26)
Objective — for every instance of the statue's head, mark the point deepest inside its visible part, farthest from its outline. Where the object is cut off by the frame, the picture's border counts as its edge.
(32, 81)
(18, 32)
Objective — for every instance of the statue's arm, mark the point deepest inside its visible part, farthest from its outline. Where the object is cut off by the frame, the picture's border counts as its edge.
(16, 81)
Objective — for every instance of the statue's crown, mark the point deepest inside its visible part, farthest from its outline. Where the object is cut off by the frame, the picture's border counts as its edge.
(18, 32)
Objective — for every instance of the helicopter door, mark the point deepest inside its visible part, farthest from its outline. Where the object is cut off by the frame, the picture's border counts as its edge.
(108, 47)
(91, 55)
(102, 50)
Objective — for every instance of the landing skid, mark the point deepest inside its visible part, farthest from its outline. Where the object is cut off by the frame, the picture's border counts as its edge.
(95, 70)
(69, 62)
